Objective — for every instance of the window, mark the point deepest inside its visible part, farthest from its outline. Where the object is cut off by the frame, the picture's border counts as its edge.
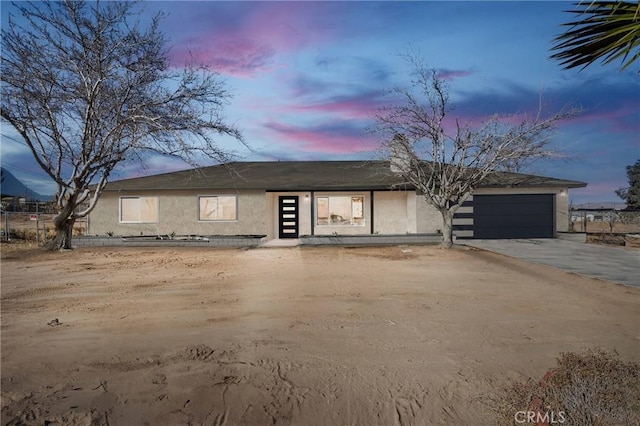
(218, 208)
(340, 210)
(138, 209)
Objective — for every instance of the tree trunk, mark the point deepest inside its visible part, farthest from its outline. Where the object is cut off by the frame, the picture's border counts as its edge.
(447, 229)
(64, 231)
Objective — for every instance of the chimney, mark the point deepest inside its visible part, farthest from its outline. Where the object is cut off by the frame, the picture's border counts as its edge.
(400, 154)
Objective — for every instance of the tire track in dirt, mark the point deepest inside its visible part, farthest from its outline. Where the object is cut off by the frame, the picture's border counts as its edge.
(299, 336)
(35, 292)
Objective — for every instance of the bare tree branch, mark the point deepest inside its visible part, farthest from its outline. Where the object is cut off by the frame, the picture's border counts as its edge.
(87, 88)
(446, 163)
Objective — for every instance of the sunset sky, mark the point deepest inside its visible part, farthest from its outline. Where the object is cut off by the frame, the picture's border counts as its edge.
(307, 77)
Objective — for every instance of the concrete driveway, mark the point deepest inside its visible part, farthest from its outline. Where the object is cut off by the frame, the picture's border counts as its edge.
(615, 264)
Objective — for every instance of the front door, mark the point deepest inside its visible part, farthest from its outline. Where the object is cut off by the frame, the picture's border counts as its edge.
(288, 216)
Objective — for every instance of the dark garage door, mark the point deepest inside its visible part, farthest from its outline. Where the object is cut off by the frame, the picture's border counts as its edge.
(513, 216)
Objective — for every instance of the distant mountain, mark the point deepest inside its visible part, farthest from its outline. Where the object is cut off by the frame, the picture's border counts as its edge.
(12, 187)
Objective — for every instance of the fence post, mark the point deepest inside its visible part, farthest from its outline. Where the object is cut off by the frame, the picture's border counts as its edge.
(7, 232)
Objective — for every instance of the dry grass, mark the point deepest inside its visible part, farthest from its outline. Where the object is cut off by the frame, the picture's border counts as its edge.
(29, 235)
(604, 232)
(22, 228)
(593, 388)
(618, 227)
(624, 223)
(606, 238)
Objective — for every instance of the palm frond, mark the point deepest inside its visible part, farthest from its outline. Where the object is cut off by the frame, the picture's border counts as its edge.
(606, 31)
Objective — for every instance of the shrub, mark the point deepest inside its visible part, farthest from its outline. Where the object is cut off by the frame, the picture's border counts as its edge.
(30, 234)
(594, 388)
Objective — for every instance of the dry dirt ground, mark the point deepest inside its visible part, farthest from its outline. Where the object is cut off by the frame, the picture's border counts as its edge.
(303, 336)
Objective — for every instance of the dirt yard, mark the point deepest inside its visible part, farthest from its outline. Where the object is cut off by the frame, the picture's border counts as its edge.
(305, 336)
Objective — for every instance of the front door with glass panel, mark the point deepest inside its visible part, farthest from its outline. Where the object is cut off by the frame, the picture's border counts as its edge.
(288, 216)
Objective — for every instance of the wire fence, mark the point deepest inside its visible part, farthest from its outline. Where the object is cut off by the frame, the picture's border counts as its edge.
(605, 221)
(34, 226)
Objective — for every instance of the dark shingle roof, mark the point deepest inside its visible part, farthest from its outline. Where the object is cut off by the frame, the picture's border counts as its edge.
(305, 175)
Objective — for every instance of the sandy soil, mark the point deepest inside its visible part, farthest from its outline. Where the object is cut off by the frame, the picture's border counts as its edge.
(305, 336)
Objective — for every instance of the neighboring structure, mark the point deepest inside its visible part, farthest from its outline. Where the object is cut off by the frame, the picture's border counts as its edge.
(297, 198)
(596, 212)
(580, 215)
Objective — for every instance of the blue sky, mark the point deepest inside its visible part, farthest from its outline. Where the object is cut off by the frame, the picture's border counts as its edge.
(307, 76)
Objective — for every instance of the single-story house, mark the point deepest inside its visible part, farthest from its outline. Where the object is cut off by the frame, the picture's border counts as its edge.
(290, 199)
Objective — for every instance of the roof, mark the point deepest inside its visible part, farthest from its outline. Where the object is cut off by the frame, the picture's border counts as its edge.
(305, 176)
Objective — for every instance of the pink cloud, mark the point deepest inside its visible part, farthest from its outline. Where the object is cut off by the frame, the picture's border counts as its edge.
(358, 107)
(249, 39)
(477, 121)
(621, 120)
(324, 140)
(447, 74)
(240, 57)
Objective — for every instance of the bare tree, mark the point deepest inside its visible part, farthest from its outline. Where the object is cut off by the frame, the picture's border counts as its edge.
(87, 88)
(446, 160)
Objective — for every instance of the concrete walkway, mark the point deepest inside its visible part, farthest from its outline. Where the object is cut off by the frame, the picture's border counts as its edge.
(285, 242)
(615, 264)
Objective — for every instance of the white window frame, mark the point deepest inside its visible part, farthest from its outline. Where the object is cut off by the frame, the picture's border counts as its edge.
(234, 196)
(328, 197)
(136, 197)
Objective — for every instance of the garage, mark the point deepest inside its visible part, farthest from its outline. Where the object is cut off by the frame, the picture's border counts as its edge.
(513, 216)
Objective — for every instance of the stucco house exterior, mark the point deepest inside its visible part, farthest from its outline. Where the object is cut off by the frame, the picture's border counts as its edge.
(291, 199)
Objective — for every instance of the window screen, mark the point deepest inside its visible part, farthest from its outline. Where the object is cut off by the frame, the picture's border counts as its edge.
(218, 208)
(139, 209)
